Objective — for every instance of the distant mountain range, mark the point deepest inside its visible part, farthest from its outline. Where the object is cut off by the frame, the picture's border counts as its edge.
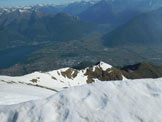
(112, 12)
(77, 7)
(99, 11)
(117, 12)
(32, 27)
(144, 29)
(74, 8)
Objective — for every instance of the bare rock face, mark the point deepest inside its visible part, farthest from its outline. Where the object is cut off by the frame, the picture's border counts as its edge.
(100, 72)
(103, 72)
(70, 73)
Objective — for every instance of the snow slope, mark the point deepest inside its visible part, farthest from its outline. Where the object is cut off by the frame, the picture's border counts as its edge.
(17, 93)
(57, 79)
(113, 101)
(54, 79)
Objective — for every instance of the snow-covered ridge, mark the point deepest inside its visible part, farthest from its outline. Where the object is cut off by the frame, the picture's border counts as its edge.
(48, 82)
(62, 78)
(103, 66)
(114, 101)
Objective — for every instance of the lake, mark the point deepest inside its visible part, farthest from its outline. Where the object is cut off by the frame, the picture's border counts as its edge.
(12, 56)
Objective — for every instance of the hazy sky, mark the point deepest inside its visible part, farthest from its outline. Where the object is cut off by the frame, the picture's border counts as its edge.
(30, 2)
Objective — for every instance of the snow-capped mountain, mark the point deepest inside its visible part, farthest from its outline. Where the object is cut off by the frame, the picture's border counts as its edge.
(21, 9)
(114, 101)
(57, 80)
(67, 77)
(54, 8)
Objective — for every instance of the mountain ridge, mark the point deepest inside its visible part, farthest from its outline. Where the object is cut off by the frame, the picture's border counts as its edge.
(67, 77)
(117, 12)
(27, 28)
(144, 29)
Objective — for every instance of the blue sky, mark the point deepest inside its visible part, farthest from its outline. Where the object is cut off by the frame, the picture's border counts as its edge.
(30, 2)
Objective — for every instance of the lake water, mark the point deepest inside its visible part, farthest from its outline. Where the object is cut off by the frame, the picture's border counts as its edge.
(9, 57)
